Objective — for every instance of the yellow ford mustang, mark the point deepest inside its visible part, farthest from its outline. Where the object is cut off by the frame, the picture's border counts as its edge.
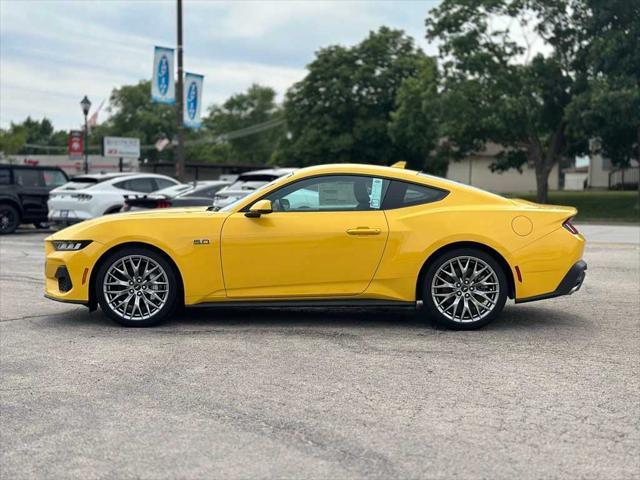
(343, 235)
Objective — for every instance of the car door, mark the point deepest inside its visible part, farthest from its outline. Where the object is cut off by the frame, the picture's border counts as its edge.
(32, 191)
(325, 238)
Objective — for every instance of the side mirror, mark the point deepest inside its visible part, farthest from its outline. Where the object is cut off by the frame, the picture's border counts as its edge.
(261, 207)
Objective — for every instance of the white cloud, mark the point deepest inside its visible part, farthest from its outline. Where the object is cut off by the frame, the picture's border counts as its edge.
(53, 52)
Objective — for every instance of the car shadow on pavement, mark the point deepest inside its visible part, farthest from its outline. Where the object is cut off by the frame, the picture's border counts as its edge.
(528, 318)
(534, 317)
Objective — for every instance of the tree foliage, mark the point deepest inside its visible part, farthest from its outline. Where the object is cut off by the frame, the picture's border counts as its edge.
(341, 110)
(415, 123)
(254, 107)
(31, 132)
(133, 114)
(608, 109)
(497, 88)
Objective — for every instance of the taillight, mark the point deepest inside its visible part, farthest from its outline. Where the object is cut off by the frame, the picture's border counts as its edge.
(163, 204)
(569, 226)
(82, 196)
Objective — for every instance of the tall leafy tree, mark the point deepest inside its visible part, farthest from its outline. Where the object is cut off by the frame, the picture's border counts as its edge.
(499, 87)
(133, 114)
(416, 121)
(31, 132)
(608, 110)
(341, 110)
(256, 106)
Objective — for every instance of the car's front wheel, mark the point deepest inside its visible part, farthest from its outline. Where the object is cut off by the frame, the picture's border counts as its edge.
(464, 289)
(9, 219)
(137, 287)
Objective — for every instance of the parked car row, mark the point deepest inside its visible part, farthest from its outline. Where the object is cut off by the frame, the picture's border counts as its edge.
(45, 195)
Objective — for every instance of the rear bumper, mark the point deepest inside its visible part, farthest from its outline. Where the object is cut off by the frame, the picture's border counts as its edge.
(68, 217)
(571, 283)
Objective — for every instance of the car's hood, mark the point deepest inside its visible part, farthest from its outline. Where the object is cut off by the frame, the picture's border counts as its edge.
(80, 230)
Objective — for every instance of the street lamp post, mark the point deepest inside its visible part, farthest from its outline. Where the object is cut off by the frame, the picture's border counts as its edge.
(86, 105)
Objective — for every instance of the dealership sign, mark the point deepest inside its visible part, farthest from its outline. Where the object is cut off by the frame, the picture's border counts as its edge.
(121, 147)
(162, 83)
(75, 143)
(192, 99)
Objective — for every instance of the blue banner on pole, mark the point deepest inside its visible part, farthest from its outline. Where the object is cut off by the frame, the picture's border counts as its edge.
(192, 99)
(163, 83)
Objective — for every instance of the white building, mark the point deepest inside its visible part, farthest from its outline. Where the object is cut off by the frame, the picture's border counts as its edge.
(474, 170)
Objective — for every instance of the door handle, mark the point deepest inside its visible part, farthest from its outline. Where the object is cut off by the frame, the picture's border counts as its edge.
(363, 231)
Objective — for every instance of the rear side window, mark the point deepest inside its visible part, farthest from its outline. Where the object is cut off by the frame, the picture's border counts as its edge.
(54, 178)
(28, 177)
(404, 194)
(5, 176)
(143, 185)
(164, 183)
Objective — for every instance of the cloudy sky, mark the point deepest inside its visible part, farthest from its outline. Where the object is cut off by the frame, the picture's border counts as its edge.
(54, 52)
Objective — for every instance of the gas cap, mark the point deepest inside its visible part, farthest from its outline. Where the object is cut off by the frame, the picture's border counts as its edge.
(522, 225)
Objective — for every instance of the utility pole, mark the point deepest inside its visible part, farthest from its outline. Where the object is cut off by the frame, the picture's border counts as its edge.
(179, 103)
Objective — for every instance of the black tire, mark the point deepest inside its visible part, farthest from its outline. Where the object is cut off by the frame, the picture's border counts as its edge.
(143, 289)
(41, 225)
(475, 299)
(9, 219)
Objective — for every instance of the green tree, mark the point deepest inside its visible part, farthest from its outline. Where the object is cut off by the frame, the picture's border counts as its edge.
(341, 110)
(415, 122)
(498, 89)
(133, 114)
(254, 107)
(609, 107)
(12, 140)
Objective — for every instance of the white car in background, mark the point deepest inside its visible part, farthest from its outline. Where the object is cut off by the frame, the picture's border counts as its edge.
(247, 183)
(90, 196)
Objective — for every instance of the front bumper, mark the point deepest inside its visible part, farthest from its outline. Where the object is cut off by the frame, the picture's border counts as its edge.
(68, 273)
(571, 283)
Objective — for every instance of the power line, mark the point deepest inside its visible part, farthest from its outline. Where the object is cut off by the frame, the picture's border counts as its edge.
(223, 137)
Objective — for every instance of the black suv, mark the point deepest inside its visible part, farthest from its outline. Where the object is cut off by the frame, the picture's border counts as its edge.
(24, 191)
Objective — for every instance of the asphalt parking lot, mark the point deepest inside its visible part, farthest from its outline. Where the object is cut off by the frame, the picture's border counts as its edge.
(550, 390)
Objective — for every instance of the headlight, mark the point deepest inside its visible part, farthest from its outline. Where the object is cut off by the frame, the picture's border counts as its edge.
(70, 245)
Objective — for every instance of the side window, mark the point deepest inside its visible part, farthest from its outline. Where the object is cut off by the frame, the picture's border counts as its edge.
(164, 183)
(331, 193)
(404, 194)
(5, 176)
(54, 178)
(142, 185)
(27, 177)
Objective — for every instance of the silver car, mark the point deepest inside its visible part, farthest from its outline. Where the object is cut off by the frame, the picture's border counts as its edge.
(247, 183)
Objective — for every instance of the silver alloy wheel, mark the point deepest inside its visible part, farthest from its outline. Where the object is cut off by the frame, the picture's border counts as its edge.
(465, 289)
(136, 287)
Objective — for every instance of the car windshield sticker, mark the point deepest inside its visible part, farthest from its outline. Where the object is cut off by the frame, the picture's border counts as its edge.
(376, 193)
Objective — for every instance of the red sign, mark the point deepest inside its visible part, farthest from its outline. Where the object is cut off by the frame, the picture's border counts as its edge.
(76, 143)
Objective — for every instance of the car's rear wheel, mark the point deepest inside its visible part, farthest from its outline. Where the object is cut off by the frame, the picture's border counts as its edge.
(137, 287)
(9, 219)
(464, 289)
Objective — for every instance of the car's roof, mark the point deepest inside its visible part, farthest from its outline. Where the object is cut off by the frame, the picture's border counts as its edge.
(100, 176)
(393, 172)
(279, 172)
